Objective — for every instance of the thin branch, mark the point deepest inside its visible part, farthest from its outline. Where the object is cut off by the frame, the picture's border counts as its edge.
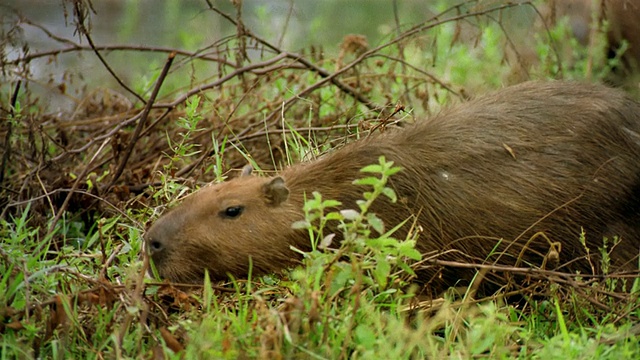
(143, 120)
(221, 81)
(85, 32)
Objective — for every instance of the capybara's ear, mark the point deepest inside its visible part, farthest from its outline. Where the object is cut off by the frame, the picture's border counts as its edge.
(246, 170)
(276, 191)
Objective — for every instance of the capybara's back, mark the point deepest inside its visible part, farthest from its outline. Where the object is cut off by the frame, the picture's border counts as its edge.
(497, 180)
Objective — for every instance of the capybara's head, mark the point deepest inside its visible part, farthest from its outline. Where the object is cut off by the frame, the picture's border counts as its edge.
(218, 227)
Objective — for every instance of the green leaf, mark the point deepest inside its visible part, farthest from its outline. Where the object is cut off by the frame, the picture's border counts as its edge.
(375, 222)
(333, 216)
(372, 169)
(311, 204)
(412, 254)
(393, 170)
(365, 336)
(382, 271)
(367, 181)
(407, 248)
(326, 241)
(406, 268)
(302, 224)
(331, 203)
(343, 276)
(349, 214)
(388, 192)
(383, 242)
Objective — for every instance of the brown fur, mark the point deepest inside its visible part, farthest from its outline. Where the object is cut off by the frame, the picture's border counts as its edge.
(550, 157)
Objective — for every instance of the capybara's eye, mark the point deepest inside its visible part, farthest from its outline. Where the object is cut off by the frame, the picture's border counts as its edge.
(232, 211)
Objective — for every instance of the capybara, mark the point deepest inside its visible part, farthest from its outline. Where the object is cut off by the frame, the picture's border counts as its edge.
(482, 179)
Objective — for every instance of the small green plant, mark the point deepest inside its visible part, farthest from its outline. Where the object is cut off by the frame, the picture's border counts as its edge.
(372, 251)
(182, 149)
(217, 167)
(189, 125)
(351, 281)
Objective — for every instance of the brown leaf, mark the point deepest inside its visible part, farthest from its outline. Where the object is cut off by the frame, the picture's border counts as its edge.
(226, 344)
(158, 353)
(170, 340)
(15, 325)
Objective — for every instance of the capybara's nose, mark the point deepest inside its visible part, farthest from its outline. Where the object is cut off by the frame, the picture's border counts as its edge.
(161, 237)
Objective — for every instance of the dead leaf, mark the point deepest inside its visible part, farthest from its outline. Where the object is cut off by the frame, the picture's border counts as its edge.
(170, 340)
